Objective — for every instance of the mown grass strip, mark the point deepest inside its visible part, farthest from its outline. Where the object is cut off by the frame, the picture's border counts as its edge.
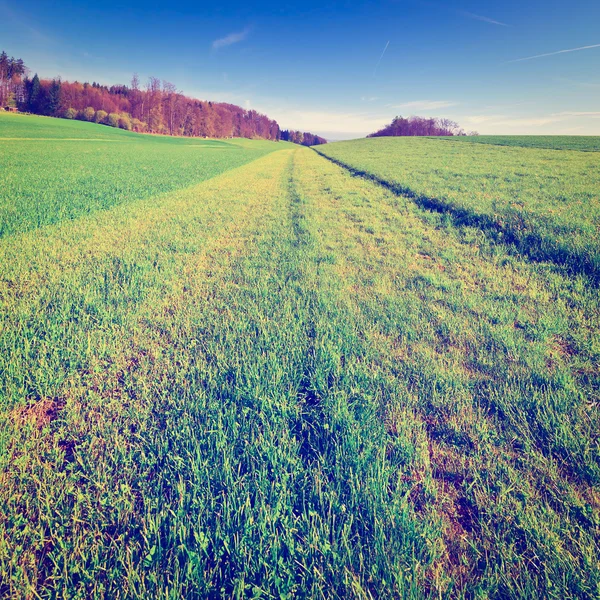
(96, 372)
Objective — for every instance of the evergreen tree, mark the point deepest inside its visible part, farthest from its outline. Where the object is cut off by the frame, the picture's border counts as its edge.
(33, 96)
(53, 98)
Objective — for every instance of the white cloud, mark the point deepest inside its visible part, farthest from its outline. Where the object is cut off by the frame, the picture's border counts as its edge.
(526, 122)
(506, 106)
(423, 105)
(325, 121)
(566, 122)
(232, 38)
(508, 121)
(568, 113)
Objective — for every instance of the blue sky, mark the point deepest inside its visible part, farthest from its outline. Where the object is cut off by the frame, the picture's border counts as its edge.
(340, 69)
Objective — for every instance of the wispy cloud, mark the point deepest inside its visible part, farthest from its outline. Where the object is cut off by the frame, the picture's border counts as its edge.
(354, 124)
(555, 53)
(369, 98)
(470, 15)
(424, 105)
(232, 38)
(463, 13)
(377, 65)
(509, 121)
(500, 120)
(531, 124)
(584, 84)
(545, 124)
(582, 113)
(507, 106)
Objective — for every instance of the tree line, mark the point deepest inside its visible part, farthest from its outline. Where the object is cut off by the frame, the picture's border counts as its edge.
(298, 137)
(156, 107)
(422, 126)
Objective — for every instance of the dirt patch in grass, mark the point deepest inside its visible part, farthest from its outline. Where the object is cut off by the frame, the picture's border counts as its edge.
(460, 519)
(38, 413)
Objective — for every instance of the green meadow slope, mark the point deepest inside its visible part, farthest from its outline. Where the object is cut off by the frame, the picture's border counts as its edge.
(53, 170)
(282, 380)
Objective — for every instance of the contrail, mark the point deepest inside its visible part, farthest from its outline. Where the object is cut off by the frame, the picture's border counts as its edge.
(481, 18)
(554, 53)
(377, 65)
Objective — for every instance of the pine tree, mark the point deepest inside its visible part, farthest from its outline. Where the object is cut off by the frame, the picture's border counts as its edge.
(34, 94)
(53, 98)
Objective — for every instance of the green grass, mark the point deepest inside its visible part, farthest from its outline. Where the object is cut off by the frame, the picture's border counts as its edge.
(20, 127)
(59, 170)
(286, 381)
(584, 143)
(543, 202)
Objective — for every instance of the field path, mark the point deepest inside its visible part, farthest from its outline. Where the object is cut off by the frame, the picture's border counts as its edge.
(167, 411)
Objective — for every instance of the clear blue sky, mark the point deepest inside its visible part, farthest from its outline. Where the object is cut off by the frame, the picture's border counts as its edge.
(321, 66)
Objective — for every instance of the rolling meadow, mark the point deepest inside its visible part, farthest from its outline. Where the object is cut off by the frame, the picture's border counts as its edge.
(242, 368)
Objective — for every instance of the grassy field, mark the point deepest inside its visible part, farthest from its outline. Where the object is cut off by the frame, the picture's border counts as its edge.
(53, 170)
(543, 202)
(284, 381)
(551, 142)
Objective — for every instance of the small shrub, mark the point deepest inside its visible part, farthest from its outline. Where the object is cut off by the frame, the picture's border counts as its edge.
(139, 126)
(88, 114)
(100, 116)
(125, 122)
(70, 113)
(112, 120)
